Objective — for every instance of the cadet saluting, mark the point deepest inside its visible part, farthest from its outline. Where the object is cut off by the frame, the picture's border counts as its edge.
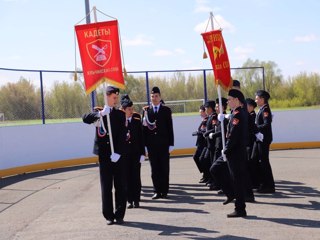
(159, 140)
(111, 166)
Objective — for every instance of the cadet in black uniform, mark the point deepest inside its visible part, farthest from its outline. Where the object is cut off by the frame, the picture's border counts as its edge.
(210, 148)
(263, 131)
(159, 140)
(111, 166)
(253, 165)
(201, 141)
(134, 152)
(235, 151)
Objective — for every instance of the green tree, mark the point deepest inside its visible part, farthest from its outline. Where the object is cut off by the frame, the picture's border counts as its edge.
(66, 100)
(251, 77)
(20, 101)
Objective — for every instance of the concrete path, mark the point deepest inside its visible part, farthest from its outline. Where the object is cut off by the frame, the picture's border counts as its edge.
(65, 204)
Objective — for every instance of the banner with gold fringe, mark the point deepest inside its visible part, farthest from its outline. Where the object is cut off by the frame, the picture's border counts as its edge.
(219, 58)
(99, 49)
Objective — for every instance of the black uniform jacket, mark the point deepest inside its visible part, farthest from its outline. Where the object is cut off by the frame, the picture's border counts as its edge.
(263, 123)
(236, 132)
(134, 137)
(201, 141)
(211, 123)
(118, 128)
(162, 135)
(251, 128)
(217, 135)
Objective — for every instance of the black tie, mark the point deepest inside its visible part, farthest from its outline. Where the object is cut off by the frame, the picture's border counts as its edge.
(155, 109)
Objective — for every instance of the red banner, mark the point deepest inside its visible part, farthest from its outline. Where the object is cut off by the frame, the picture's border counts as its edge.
(219, 58)
(100, 54)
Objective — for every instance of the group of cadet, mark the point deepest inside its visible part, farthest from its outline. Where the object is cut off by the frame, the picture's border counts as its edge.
(234, 167)
(241, 165)
(120, 156)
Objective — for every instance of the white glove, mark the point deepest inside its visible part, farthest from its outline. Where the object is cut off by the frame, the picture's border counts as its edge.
(211, 135)
(259, 136)
(115, 157)
(171, 148)
(105, 111)
(227, 116)
(144, 122)
(142, 158)
(220, 117)
(223, 155)
(146, 150)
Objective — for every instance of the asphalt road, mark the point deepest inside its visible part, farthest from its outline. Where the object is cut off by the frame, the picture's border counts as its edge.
(66, 204)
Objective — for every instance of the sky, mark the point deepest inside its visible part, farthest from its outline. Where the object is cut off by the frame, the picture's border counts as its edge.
(164, 35)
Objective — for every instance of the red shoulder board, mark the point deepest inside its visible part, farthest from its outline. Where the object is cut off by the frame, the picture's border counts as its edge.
(235, 121)
(235, 112)
(265, 114)
(214, 121)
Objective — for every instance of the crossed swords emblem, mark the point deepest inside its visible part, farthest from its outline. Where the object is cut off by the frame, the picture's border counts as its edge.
(101, 54)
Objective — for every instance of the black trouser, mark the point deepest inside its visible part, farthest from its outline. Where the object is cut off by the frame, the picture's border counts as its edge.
(205, 163)
(253, 168)
(196, 157)
(133, 169)
(113, 174)
(267, 180)
(231, 177)
(236, 165)
(221, 176)
(160, 168)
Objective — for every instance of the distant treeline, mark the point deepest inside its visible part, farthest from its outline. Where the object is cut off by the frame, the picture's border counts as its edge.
(67, 99)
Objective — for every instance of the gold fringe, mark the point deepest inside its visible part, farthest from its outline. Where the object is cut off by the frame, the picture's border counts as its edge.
(205, 55)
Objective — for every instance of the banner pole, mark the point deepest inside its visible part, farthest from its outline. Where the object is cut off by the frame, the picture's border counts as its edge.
(220, 103)
(105, 96)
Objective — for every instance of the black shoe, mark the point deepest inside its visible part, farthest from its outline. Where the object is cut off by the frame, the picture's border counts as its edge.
(110, 222)
(220, 192)
(164, 195)
(208, 183)
(156, 196)
(250, 199)
(266, 190)
(130, 205)
(213, 187)
(242, 213)
(136, 205)
(203, 180)
(119, 221)
(229, 200)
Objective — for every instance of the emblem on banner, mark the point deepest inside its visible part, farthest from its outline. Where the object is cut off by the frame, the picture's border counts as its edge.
(99, 51)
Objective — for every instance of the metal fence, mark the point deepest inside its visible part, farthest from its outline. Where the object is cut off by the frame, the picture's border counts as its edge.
(48, 96)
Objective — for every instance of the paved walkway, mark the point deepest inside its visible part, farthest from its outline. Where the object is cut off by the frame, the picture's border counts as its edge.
(66, 204)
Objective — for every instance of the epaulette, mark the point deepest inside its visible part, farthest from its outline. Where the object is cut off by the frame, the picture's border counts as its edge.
(96, 109)
(145, 107)
(136, 115)
(235, 112)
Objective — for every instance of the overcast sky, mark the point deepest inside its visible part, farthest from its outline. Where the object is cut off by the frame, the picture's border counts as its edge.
(164, 35)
